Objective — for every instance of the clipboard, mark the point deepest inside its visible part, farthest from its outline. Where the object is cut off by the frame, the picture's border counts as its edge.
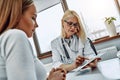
(87, 62)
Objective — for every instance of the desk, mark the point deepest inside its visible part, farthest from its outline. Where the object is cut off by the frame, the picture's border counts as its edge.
(110, 68)
(94, 75)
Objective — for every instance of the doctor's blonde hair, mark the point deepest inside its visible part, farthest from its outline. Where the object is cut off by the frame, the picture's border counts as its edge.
(69, 14)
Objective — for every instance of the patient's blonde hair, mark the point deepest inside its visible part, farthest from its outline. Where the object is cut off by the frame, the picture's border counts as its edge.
(10, 13)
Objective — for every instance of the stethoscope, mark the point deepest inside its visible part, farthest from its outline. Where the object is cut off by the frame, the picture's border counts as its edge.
(83, 50)
(68, 60)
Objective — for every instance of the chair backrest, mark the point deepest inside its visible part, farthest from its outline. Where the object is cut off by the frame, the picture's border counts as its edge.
(92, 46)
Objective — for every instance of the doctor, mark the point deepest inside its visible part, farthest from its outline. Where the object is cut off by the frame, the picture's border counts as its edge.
(71, 48)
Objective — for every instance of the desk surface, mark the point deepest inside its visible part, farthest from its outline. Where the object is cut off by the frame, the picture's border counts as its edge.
(93, 75)
(110, 68)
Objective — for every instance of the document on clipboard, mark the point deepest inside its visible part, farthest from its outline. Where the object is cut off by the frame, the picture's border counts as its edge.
(87, 62)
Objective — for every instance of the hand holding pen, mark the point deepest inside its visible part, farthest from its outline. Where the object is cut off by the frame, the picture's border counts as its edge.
(79, 60)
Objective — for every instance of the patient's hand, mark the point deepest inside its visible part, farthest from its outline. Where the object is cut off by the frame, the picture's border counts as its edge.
(57, 74)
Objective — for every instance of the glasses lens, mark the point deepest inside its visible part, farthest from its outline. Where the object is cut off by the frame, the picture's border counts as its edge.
(72, 24)
(75, 24)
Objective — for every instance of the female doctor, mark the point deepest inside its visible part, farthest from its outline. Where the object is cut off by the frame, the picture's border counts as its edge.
(72, 48)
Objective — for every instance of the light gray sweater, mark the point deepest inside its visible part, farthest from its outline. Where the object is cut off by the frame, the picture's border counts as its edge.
(17, 61)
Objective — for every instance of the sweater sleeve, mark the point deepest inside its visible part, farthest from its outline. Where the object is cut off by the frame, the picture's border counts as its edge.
(18, 56)
(56, 54)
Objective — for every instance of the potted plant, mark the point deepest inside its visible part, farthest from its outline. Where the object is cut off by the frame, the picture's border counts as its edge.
(109, 22)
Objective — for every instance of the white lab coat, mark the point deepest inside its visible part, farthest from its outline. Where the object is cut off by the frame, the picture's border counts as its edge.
(75, 49)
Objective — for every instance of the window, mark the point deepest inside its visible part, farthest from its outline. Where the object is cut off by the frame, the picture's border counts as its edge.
(49, 22)
(93, 13)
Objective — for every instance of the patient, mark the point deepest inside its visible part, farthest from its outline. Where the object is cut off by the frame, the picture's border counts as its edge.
(72, 47)
(17, 61)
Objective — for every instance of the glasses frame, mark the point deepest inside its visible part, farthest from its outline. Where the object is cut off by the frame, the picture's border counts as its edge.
(76, 25)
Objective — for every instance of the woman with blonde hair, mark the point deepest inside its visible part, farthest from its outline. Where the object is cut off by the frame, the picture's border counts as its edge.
(72, 48)
(17, 60)
(71, 14)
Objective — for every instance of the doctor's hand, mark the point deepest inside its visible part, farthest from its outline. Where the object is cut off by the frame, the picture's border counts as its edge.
(79, 60)
(57, 74)
(93, 64)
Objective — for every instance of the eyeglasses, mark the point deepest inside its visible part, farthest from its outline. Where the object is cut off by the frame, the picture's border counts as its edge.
(72, 24)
